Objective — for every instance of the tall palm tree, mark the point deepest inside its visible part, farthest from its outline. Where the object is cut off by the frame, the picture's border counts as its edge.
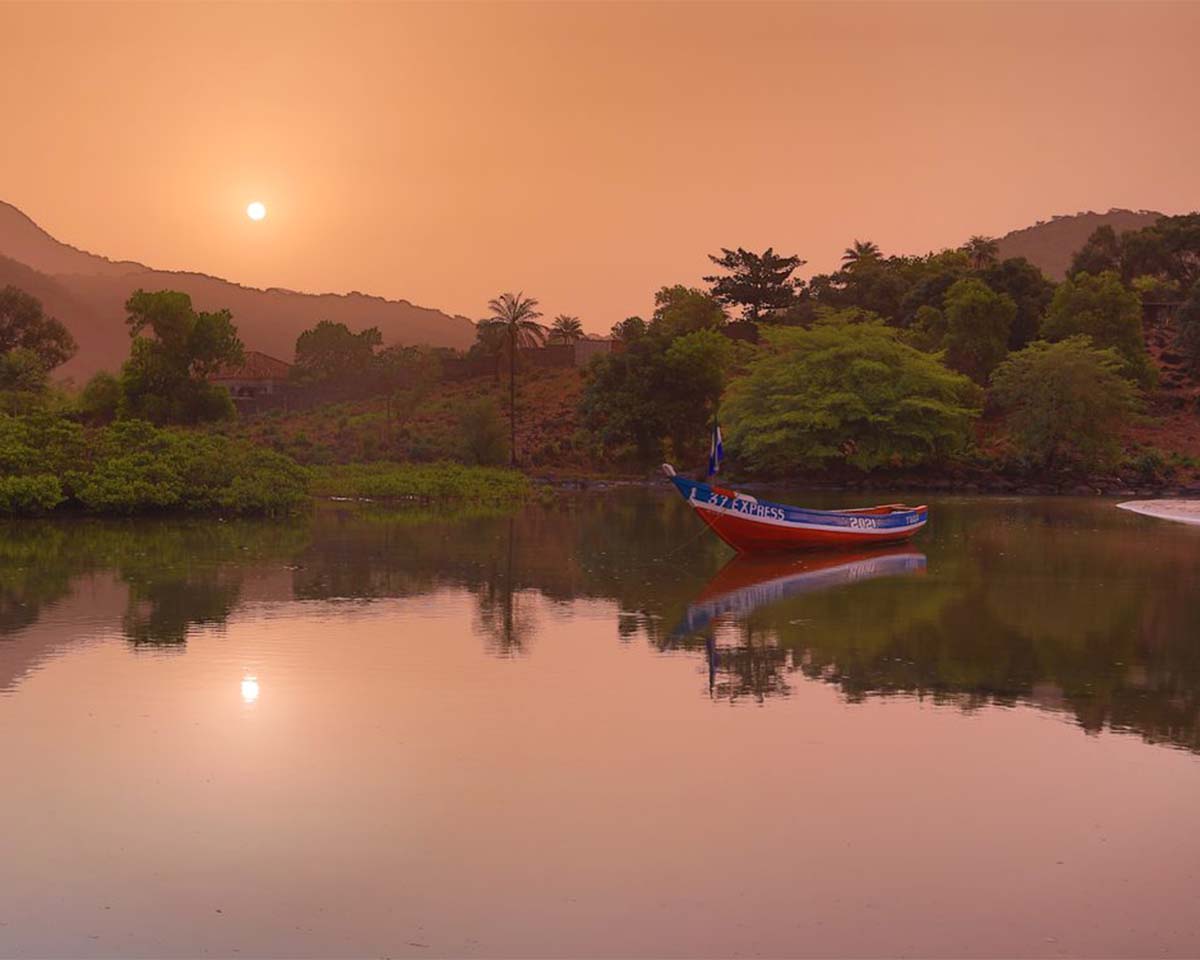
(982, 251)
(517, 315)
(565, 329)
(862, 250)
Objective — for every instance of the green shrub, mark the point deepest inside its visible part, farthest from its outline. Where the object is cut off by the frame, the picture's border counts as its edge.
(846, 392)
(101, 398)
(134, 467)
(1066, 402)
(427, 483)
(483, 433)
(1100, 307)
(22, 495)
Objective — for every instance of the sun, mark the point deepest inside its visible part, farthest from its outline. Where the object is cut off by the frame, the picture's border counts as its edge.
(256, 210)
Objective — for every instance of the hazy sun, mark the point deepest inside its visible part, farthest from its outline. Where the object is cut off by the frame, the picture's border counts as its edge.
(256, 211)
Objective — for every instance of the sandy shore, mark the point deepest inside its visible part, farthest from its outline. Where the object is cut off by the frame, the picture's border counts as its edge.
(1184, 511)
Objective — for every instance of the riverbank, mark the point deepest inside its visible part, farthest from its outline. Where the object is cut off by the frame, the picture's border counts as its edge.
(423, 483)
(1180, 511)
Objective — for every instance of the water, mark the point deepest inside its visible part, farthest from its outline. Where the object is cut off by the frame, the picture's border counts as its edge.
(571, 732)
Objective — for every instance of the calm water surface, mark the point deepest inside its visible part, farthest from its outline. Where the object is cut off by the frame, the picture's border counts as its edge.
(581, 730)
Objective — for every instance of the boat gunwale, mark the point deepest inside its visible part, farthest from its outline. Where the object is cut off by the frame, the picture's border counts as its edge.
(897, 510)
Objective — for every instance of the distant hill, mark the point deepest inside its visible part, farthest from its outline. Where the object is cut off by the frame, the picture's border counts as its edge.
(1051, 244)
(87, 293)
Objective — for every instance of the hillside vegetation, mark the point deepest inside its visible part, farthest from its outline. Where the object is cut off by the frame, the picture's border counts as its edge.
(955, 368)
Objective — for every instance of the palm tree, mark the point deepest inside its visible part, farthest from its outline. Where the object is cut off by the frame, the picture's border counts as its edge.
(565, 329)
(982, 251)
(515, 314)
(862, 250)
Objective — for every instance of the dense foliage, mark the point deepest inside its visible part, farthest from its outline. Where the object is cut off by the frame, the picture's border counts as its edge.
(329, 351)
(660, 388)
(846, 393)
(24, 325)
(134, 467)
(1189, 328)
(978, 324)
(483, 435)
(1066, 402)
(165, 378)
(1170, 250)
(1102, 308)
(31, 345)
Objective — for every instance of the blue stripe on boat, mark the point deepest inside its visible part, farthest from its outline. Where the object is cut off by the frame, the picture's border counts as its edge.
(702, 493)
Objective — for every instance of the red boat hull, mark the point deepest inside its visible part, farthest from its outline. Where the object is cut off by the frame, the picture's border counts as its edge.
(750, 525)
(753, 536)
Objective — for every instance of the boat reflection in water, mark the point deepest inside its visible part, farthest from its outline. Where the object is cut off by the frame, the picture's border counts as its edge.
(755, 665)
(748, 582)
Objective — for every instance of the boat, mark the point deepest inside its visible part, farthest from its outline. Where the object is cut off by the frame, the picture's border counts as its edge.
(750, 525)
(751, 582)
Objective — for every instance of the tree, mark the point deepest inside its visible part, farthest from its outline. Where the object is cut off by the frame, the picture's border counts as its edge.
(565, 329)
(845, 393)
(630, 329)
(329, 352)
(25, 326)
(23, 381)
(1181, 246)
(869, 283)
(517, 316)
(1129, 254)
(482, 433)
(1102, 308)
(679, 310)
(1189, 328)
(759, 283)
(165, 378)
(1065, 402)
(927, 332)
(861, 250)
(658, 388)
(1100, 254)
(1030, 291)
(978, 323)
(931, 287)
(981, 251)
(414, 370)
(101, 398)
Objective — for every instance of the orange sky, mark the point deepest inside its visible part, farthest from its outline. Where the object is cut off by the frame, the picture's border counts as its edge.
(585, 154)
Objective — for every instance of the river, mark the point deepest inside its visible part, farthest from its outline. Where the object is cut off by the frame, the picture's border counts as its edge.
(580, 729)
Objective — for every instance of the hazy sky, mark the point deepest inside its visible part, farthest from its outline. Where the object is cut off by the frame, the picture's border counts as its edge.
(587, 154)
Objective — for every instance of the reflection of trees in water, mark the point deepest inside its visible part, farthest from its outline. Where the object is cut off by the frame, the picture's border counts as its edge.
(31, 577)
(1067, 607)
(1073, 606)
(753, 666)
(180, 574)
(503, 612)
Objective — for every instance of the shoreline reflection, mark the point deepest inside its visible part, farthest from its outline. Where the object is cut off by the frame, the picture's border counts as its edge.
(1065, 605)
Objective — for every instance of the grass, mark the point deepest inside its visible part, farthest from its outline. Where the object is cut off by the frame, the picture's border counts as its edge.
(420, 482)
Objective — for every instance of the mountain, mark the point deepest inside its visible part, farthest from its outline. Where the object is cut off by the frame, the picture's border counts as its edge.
(88, 292)
(1050, 244)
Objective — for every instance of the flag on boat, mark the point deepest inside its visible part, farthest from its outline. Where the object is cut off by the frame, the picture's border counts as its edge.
(716, 451)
